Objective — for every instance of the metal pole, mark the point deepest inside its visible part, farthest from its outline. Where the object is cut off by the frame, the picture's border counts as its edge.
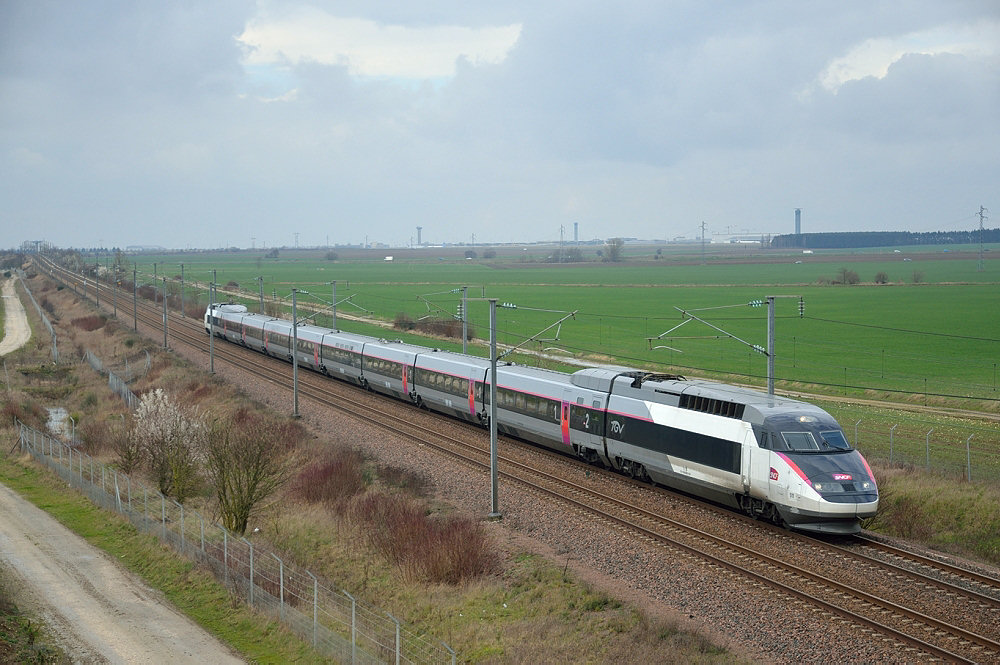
(494, 505)
(281, 586)
(164, 312)
(892, 433)
(260, 283)
(315, 604)
(211, 325)
(856, 439)
(770, 345)
(182, 290)
(135, 304)
(295, 356)
(928, 448)
(395, 621)
(333, 303)
(97, 280)
(114, 291)
(465, 319)
(968, 459)
(354, 627)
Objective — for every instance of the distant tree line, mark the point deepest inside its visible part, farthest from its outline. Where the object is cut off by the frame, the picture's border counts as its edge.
(854, 239)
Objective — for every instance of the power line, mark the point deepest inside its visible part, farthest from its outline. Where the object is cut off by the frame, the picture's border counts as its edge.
(904, 330)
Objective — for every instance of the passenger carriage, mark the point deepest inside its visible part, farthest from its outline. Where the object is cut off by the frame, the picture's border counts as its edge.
(446, 382)
(341, 354)
(387, 367)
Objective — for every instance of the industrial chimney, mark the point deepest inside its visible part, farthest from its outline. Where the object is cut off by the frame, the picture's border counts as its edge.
(798, 221)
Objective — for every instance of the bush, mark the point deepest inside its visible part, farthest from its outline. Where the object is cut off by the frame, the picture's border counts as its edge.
(403, 321)
(846, 276)
(332, 480)
(918, 277)
(446, 550)
(89, 323)
(331, 256)
(881, 278)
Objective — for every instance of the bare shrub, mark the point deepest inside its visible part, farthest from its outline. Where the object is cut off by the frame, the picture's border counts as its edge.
(25, 410)
(403, 321)
(127, 448)
(247, 460)
(94, 436)
(332, 480)
(444, 550)
(331, 256)
(918, 277)
(89, 323)
(845, 276)
(881, 278)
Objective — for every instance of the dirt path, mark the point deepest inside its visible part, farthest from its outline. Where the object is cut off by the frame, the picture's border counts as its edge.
(17, 332)
(93, 609)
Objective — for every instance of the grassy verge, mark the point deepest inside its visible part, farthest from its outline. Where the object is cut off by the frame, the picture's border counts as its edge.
(195, 592)
(949, 515)
(22, 637)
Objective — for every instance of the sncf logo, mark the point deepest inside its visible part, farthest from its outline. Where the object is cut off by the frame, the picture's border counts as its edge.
(774, 473)
(842, 476)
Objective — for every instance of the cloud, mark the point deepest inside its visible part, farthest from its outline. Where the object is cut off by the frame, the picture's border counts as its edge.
(372, 49)
(873, 57)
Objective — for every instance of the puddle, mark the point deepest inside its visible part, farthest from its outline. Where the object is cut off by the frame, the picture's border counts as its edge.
(58, 422)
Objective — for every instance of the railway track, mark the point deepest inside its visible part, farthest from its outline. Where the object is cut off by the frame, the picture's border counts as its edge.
(916, 606)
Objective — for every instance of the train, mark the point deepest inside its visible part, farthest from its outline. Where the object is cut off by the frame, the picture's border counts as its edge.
(774, 458)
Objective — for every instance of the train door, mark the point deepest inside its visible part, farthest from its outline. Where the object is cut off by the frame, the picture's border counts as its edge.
(746, 461)
(564, 416)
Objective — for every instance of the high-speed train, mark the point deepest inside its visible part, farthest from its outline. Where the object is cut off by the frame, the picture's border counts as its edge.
(773, 457)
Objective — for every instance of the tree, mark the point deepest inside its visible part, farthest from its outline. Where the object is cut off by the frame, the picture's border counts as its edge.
(170, 441)
(332, 256)
(247, 460)
(128, 449)
(614, 250)
(881, 278)
(470, 254)
(848, 276)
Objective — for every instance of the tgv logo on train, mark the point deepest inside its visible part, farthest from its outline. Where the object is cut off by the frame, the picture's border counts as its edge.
(772, 457)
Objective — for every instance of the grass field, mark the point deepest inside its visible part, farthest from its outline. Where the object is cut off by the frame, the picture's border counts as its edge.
(939, 336)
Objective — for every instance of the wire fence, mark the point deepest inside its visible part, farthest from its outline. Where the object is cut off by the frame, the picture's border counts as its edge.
(336, 623)
(961, 450)
(45, 319)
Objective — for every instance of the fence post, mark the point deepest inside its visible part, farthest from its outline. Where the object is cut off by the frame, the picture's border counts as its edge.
(163, 517)
(451, 651)
(315, 604)
(225, 554)
(968, 459)
(395, 621)
(856, 439)
(892, 433)
(251, 568)
(928, 448)
(182, 524)
(281, 586)
(354, 627)
(202, 520)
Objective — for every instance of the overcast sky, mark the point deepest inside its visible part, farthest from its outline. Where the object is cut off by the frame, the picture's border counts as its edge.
(207, 124)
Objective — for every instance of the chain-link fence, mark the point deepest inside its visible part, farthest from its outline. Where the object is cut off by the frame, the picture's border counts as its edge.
(336, 623)
(955, 447)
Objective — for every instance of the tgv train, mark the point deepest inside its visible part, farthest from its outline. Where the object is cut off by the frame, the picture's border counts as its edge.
(774, 458)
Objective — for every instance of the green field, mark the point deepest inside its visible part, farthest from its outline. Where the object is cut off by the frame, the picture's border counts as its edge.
(939, 337)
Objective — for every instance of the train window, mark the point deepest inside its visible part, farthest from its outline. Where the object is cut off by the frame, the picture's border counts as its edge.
(835, 439)
(597, 403)
(800, 441)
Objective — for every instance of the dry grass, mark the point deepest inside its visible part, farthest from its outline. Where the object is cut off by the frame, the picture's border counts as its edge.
(945, 513)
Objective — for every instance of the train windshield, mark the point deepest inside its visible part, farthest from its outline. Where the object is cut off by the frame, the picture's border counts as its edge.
(817, 441)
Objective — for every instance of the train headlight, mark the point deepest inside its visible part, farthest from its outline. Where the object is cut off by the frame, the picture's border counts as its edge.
(867, 485)
(818, 486)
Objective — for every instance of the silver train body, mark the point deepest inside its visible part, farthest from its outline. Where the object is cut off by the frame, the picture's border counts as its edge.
(772, 457)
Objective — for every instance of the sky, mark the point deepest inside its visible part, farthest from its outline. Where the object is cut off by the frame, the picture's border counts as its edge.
(192, 124)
